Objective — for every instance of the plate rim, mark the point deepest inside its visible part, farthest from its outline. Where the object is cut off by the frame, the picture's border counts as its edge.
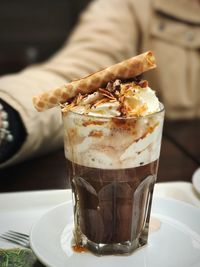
(36, 224)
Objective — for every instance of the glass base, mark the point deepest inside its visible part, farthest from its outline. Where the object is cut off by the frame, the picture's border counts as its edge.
(125, 248)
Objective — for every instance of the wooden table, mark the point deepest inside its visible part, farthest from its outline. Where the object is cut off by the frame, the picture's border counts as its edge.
(180, 156)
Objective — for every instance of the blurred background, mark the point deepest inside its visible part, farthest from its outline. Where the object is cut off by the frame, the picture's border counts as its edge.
(32, 30)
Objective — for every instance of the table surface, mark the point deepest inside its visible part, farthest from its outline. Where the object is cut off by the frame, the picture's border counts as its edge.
(180, 156)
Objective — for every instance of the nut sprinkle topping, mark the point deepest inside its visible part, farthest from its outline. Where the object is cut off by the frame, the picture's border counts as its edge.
(126, 99)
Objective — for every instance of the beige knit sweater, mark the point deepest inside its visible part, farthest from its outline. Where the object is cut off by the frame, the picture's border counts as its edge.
(108, 32)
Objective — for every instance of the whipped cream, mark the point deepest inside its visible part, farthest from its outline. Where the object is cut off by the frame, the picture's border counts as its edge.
(116, 132)
(130, 99)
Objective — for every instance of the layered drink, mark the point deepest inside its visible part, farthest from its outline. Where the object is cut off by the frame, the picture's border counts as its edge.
(112, 145)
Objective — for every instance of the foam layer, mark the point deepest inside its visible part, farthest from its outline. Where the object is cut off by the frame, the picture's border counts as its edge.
(112, 144)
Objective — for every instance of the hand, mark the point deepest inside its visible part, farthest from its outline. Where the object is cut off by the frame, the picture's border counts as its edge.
(5, 135)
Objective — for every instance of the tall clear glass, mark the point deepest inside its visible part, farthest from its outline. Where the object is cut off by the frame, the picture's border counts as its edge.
(113, 165)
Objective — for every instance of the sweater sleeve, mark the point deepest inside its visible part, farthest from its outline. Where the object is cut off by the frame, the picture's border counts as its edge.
(106, 33)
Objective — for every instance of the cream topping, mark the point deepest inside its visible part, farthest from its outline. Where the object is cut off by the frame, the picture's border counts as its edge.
(130, 99)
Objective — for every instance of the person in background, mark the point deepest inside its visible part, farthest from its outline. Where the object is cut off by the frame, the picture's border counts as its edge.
(108, 32)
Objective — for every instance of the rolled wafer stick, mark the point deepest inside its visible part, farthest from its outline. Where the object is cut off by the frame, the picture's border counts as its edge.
(124, 70)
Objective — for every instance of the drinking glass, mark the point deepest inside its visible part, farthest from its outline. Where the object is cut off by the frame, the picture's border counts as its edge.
(112, 164)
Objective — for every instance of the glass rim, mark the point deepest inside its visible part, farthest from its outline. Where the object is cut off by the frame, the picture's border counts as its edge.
(161, 110)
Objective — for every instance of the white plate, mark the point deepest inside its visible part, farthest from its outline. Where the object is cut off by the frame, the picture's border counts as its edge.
(176, 243)
(196, 180)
